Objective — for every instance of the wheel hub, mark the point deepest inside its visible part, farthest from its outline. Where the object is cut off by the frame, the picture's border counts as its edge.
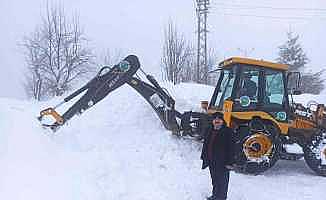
(257, 146)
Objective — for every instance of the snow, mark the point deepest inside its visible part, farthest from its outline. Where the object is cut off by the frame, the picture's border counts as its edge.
(119, 150)
(293, 148)
(305, 99)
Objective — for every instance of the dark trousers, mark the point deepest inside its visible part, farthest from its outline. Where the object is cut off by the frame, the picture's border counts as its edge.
(220, 181)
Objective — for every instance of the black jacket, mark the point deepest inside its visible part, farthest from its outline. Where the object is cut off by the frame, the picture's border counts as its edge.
(223, 148)
(250, 88)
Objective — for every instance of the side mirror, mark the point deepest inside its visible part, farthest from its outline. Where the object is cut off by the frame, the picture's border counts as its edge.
(293, 80)
(204, 105)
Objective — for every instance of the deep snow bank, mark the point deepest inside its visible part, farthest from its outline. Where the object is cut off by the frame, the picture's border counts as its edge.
(119, 150)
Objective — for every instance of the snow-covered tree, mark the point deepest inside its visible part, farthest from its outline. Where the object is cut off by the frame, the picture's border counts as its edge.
(56, 55)
(313, 83)
(212, 63)
(189, 71)
(176, 53)
(292, 54)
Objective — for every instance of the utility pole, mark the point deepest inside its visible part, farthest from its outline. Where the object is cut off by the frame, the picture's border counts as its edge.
(202, 11)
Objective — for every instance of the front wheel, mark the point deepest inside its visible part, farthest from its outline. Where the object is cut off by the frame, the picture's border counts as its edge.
(315, 153)
(257, 151)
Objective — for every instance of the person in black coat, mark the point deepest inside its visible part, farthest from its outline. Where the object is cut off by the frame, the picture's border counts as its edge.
(249, 87)
(217, 154)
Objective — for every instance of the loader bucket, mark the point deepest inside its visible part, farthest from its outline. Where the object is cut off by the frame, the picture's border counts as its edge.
(51, 112)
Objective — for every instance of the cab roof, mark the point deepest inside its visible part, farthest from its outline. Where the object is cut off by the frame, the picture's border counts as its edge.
(250, 61)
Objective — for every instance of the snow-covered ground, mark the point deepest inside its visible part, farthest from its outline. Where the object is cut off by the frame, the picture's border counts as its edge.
(119, 150)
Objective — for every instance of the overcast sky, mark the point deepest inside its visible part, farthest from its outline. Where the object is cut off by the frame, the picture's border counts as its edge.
(257, 27)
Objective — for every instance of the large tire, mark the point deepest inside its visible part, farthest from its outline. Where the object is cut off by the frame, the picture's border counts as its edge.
(264, 158)
(315, 153)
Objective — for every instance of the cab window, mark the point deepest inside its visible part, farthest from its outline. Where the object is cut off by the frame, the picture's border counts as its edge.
(274, 88)
(226, 87)
(248, 86)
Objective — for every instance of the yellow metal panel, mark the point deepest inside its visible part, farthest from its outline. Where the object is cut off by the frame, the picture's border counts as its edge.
(227, 112)
(302, 124)
(284, 127)
(249, 61)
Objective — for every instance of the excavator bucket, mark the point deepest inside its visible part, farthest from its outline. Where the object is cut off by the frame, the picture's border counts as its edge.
(51, 112)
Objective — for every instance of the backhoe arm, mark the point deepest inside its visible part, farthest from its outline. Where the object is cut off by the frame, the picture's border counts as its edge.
(96, 89)
(188, 123)
(160, 101)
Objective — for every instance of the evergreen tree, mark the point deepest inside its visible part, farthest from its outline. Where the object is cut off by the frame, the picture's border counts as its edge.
(292, 54)
(312, 83)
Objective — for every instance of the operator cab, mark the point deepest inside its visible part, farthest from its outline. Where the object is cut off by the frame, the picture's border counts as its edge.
(252, 85)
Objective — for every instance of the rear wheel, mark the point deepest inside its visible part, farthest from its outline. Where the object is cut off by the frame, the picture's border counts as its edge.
(315, 153)
(257, 149)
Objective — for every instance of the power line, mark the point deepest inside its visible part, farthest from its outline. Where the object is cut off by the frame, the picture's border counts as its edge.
(305, 14)
(319, 13)
(270, 17)
(271, 7)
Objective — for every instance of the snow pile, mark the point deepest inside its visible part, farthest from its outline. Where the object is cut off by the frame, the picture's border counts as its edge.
(306, 99)
(119, 150)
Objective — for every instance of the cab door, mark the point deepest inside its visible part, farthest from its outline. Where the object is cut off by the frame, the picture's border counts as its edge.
(274, 95)
(248, 91)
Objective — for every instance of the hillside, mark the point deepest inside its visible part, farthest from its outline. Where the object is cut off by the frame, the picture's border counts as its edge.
(119, 150)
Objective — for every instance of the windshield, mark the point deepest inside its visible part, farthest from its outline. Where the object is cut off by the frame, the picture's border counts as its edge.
(226, 87)
(247, 92)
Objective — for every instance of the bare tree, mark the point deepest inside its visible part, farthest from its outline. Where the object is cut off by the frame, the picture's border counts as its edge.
(212, 63)
(56, 55)
(189, 71)
(176, 53)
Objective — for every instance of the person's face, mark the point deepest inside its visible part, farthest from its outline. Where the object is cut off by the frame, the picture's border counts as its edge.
(217, 122)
